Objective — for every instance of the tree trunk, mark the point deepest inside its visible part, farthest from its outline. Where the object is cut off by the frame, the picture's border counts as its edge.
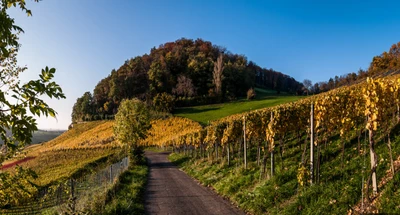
(228, 154)
(264, 164)
(398, 113)
(272, 163)
(216, 151)
(359, 141)
(258, 153)
(343, 146)
(299, 138)
(240, 151)
(281, 153)
(233, 151)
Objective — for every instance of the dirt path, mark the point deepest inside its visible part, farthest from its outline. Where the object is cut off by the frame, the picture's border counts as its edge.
(12, 164)
(171, 191)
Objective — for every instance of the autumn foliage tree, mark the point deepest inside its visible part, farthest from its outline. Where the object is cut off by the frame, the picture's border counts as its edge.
(18, 104)
(131, 124)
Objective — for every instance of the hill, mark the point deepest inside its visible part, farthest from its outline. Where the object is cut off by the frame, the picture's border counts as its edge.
(183, 71)
(40, 136)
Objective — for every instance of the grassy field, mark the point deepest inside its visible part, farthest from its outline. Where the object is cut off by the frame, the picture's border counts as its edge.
(206, 113)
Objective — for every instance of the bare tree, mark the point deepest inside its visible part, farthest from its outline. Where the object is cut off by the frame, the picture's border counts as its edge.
(217, 74)
(184, 87)
(307, 84)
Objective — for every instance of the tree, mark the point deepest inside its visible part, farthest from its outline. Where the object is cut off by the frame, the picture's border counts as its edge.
(131, 124)
(315, 88)
(18, 104)
(83, 109)
(25, 97)
(164, 102)
(217, 75)
(307, 84)
(159, 77)
(184, 87)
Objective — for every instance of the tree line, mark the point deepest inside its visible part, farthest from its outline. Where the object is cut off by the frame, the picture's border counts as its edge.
(182, 73)
(382, 65)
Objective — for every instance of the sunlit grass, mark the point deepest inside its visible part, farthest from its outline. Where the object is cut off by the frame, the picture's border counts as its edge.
(338, 191)
(206, 113)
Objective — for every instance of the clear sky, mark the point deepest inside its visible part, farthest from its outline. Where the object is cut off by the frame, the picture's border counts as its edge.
(85, 39)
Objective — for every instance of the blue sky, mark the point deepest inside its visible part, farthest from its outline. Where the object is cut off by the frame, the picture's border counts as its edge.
(85, 39)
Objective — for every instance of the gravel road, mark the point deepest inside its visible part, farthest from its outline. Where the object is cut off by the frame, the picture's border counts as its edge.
(171, 191)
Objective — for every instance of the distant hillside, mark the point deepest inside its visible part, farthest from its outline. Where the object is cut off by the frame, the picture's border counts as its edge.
(41, 136)
(71, 151)
(181, 72)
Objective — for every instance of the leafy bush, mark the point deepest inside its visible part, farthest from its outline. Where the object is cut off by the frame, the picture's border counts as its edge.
(164, 102)
(251, 94)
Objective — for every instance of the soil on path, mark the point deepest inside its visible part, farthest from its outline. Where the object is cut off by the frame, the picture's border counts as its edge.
(171, 191)
(12, 164)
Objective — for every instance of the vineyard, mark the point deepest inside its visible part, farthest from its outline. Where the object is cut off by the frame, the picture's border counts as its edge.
(351, 130)
(74, 150)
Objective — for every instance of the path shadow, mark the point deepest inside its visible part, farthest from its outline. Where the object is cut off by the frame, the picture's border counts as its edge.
(180, 161)
(162, 165)
(191, 110)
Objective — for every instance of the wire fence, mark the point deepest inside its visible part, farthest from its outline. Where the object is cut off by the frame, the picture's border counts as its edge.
(72, 195)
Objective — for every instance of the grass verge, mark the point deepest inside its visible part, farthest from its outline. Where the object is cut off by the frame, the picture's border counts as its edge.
(127, 195)
(338, 191)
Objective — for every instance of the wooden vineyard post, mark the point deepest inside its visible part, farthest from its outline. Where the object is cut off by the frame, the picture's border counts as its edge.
(228, 154)
(374, 161)
(244, 142)
(73, 198)
(312, 144)
(216, 150)
(272, 153)
(111, 171)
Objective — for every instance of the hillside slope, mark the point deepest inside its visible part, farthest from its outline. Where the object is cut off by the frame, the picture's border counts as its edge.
(277, 178)
(67, 154)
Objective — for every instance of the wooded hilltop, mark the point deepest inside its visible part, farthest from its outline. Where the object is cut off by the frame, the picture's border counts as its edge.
(177, 74)
(195, 72)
